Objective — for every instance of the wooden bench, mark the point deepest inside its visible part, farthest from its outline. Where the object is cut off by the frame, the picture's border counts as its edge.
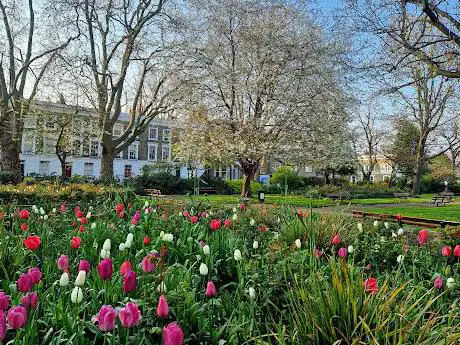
(207, 190)
(335, 197)
(441, 199)
(401, 196)
(154, 193)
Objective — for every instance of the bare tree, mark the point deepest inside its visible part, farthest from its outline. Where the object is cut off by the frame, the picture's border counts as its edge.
(22, 67)
(128, 57)
(451, 134)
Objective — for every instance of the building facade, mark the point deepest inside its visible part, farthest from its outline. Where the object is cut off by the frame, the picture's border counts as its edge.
(43, 126)
(382, 171)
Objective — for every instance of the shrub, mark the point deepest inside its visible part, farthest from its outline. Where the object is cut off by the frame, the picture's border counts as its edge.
(235, 186)
(7, 177)
(286, 175)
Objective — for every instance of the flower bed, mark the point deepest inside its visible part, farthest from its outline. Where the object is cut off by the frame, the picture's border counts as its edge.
(125, 274)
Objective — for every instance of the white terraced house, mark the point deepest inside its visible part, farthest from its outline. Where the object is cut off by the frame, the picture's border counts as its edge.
(41, 132)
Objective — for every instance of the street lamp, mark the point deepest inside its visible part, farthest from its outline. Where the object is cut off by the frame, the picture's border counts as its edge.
(446, 183)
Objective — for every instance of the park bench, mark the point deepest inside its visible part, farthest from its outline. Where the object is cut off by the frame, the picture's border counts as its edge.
(401, 196)
(154, 193)
(442, 198)
(207, 190)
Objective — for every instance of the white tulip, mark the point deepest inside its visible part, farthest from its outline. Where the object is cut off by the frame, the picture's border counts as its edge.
(401, 231)
(252, 222)
(235, 217)
(130, 237)
(252, 293)
(279, 220)
(168, 237)
(88, 215)
(400, 259)
(107, 244)
(121, 247)
(42, 211)
(298, 243)
(234, 210)
(161, 287)
(382, 239)
(393, 234)
(146, 204)
(450, 283)
(203, 269)
(206, 249)
(376, 223)
(351, 249)
(93, 226)
(45, 217)
(161, 235)
(77, 294)
(64, 280)
(54, 210)
(180, 214)
(237, 255)
(387, 225)
(360, 227)
(255, 245)
(81, 277)
(105, 254)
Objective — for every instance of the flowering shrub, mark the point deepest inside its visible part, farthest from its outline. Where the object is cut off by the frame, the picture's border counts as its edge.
(134, 273)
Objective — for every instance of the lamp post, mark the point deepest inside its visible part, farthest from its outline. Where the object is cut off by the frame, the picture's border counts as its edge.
(446, 184)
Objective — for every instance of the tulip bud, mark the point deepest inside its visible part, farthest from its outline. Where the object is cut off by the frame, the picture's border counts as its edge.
(54, 210)
(203, 269)
(298, 243)
(64, 280)
(105, 254)
(360, 227)
(450, 283)
(387, 225)
(351, 249)
(400, 259)
(161, 287)
(162, 233)
(252, 222)
(122, 247)
(77, 294)
(234, 210)
(252, 293)
(45, 217)
(168, 237)
(107, 245)
(237, 255)
(235, 217)
(255, 245)
(206, 249)
(401, 231)
(81, 277)
(93, 226)
(376, 223)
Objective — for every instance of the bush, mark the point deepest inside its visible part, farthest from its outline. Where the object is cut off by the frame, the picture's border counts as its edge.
(7, 177)
(356, 191)
(164, 181)
(235, 186)
(286, 175)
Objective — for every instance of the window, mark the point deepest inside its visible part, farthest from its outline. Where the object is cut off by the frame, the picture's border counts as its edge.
(76, 128)
(94, 148)
(76, 147)
(117, 130)
(88, 169)
(166, 134)
(353, 179)
(49, 144)
(152, 152)
(132, 151)
(44, 168)
(128, 170)
(165, 154)
(153, 133)
(28, 144)
(50, 122)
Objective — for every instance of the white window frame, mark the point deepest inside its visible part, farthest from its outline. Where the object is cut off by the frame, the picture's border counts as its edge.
(136, 146)
(149, 147)
(166, 137)
(88, 164)
(169, 153)
(130, 170)
(91, 148)
(32, 151)
(155, 137)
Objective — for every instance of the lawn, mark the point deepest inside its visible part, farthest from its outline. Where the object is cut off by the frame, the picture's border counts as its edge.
(449, 212)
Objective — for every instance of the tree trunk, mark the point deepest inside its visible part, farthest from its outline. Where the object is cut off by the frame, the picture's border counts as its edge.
(107, 159)
(418, 166)
(9, 152)
(249, 169)
(326, 178)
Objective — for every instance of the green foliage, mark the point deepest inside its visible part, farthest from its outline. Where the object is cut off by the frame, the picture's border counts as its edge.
(7, 177)
(286, 175)
(235, 186)
(357, 191)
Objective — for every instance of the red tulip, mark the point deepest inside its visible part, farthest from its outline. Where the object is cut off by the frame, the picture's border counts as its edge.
(336, 239)
(24, 214)
(81, 228)
(62, 208)
(146, 240)
(74, 224)
(194, 219)
(23, 226)
(263, 228)
(423, 236)
(119, 208)
(129, 282)
(215, 224)
(35, 274)
(317, 253)
(4, 301)
(75, 242)
(105, 269)
(211, 290)
(438, 282)
(30, 300)
(398, 217)
(446, 251)
(121, 214)
(185, 214)
(84, 220)
(173, 334)
(457, 250)
(148, 265)
(162, 308)
(227, 223)
(371, 286)
(25, 282)
(79, 214)
(84, 266)
(32, 242)
(125, 267)
(17, 317)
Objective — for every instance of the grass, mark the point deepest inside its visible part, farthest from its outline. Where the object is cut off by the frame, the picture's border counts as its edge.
(295, 200)
(448, 212)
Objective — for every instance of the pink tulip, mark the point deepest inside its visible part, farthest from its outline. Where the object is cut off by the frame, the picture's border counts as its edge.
(173, 334)
(105, 269)
(336, 239)
(457, 250)
(137, 215)
(317, 253)
(162, 308)
(2, 326)
(125, 267)
(35, 274)
(63, 263)
(4, 301)
(129, 315)
(83, 266)
(148, 264)
(30, 300)
(129, 281)
(106, 318)
(343, 252)
(211, 290)
(227, 223)
(438, 282)
(25, 282)
(17, 317)
(423, 236)
(446, 251)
